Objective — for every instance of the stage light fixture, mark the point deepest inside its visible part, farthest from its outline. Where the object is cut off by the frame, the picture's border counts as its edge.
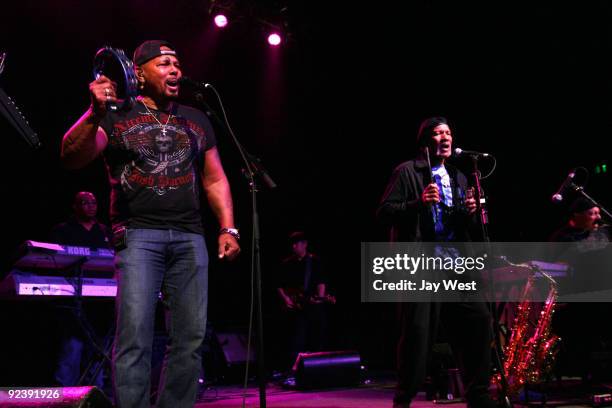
(271, 21)
(274, 39)
(220, 20)
(221, 12)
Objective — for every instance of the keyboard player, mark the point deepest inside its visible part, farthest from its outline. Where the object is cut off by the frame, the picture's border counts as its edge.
(84, 230)
(582, 326)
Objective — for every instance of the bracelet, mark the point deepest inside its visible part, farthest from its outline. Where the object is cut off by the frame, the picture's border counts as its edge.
(232, 231)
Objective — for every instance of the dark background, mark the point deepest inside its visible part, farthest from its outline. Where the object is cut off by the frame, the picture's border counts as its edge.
(330, 114)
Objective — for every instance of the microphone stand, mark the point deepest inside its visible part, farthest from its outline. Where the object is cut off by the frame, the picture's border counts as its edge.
(480, 200)
(484, 222)
(81, 319)
(253, 167)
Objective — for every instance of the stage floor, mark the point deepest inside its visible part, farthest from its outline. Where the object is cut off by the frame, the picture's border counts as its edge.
(374, 395)
(367, 396)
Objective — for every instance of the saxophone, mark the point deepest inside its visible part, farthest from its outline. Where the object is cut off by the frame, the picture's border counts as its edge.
(528, 359)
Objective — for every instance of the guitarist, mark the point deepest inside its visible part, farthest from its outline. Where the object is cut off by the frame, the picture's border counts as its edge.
(302, 291)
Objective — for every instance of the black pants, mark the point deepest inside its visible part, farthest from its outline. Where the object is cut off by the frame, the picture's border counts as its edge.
(468, 326)
(308, 330)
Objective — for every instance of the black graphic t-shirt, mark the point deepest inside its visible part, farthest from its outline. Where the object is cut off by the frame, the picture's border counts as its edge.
(154, 161)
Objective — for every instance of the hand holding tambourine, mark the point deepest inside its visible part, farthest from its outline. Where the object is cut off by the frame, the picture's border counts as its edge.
(115, 85)
(103, 93)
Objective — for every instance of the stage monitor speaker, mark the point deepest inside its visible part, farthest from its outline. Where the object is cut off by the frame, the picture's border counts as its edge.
(71, 397)
(234, 347)
(327, 369)
(229, 357)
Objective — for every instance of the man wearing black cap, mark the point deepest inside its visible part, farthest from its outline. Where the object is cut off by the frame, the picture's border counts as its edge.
(423, 204)
(301, 286)
(158, 155)
(579, 324)
(583, 223)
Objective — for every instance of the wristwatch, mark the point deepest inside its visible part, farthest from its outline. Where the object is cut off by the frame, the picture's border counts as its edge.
(232, 231)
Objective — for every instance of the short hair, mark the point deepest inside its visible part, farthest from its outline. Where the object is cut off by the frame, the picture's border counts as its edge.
(427, 127)
(77, 197)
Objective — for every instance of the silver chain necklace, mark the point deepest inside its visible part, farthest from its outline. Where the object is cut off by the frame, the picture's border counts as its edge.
(163, 126)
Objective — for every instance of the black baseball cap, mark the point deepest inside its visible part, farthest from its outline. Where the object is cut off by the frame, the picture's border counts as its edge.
(297, 236)
(151, 49)
(580, 204)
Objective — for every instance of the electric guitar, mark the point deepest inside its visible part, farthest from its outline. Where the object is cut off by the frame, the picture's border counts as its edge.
(300, 301)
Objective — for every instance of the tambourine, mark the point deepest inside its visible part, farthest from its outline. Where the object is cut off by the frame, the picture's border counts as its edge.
(112, 63)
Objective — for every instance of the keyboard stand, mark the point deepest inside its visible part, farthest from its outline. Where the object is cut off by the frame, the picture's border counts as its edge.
(101, 355)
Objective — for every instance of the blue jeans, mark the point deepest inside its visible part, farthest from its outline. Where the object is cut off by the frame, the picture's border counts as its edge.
(68, 371)
(75, 349)
(177, 264)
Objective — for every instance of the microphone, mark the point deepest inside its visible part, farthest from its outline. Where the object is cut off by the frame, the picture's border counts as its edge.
(2, 57)
(461, 152)
(558, 196)
(259, 169)
(186, 81)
